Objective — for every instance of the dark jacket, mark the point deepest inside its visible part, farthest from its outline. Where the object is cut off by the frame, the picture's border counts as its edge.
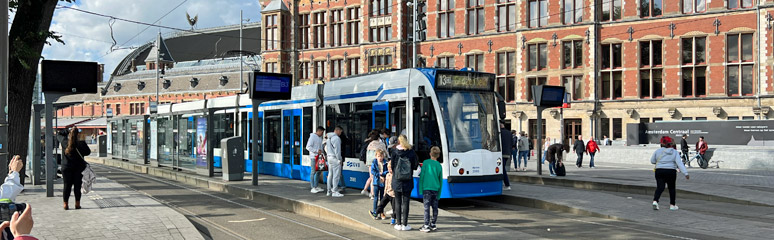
(684, 145)
(506, 141)
(554, 152)
(403, 186)
(73, 161)
(579, 147)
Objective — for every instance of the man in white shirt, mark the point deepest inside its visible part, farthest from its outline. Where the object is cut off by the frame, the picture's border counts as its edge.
(335, 161)
(314, 146)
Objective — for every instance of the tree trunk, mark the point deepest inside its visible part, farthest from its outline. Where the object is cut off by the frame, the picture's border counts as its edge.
(26, 38)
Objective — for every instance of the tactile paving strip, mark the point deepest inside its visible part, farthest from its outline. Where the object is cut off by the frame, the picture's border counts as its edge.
(110, 202)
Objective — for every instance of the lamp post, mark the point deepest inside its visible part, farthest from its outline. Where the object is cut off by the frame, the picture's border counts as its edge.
(4, 83)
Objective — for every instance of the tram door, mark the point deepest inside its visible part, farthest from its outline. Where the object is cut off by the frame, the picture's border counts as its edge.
(380, 115)
(291, 143)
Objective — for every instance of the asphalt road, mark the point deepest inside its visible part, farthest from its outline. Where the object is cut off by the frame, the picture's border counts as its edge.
(222, 216)
(555, 225)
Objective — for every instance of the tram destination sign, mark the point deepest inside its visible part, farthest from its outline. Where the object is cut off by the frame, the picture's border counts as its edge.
(460, 80)
(270, 86)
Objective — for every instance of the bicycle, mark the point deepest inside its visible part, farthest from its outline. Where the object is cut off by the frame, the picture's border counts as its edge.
(703, 163)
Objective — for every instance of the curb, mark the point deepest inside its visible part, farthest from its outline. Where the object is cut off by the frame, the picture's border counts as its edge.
(625, 188)
(544, 205)
(295, 206)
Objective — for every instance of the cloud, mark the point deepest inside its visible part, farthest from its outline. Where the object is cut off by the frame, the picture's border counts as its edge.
(88, 37)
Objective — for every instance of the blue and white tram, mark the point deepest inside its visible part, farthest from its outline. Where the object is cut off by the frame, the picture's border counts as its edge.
(455, 110)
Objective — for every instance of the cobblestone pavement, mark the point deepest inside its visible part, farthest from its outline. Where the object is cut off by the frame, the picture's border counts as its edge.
(111, 211)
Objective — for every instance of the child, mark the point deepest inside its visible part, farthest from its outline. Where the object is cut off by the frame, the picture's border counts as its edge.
(378, 172)
(430, 187)
(388, 195)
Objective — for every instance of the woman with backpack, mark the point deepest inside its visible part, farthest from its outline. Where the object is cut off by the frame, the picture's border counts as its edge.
(667, 160)
(404, 161)
(73, 164)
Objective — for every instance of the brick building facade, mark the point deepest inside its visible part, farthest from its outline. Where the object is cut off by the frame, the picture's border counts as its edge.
(622, 61)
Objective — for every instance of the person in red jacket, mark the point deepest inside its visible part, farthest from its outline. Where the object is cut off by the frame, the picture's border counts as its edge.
(701, 148)
(592, 148)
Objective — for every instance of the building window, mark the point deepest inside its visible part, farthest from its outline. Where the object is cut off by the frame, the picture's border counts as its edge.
(272, 38)
(319, 70)
(651, 69)
(533, 81)
(271, 67)
(617, 128)
(614, 125)
(573, 11)
(574, 86)
(612, 74)
(694, 6)
(611, 10)
(475, 9)
(353, 25)
(694, 67)
(475, 61)
(381, 7)
(538, 13)
(538, 56)
(337, 25)
(118, 109)
(445, 62)
(739, 67)
(445, 18)
(572, 54)
(354, 66)
(650, 8)
(506, 75)
(304, 30)
(379, 62)
(506, 15)
(337, 68)
(736, 4)
(319, 30)
(381, 33)
(303, 70)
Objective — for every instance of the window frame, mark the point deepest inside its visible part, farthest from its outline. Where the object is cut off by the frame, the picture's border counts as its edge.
(739, 4)
(508, 22)
(353, 25)
(611, 14)
(542, 19)
(651, 7)
(694, 6)
(306, 30)
(336, 68)
(506, 73)
(574, 11)
(336, 34)
(449, 62)
(650, 68)
(693, 66)
(576, 92)
(612, 70)
(573, 54)
(445, 12)
(350, 67)
(478, 15)
(740, 64)
(532, 81)
(271, 32)
(538, 58)
(319, 69)
(318, 26)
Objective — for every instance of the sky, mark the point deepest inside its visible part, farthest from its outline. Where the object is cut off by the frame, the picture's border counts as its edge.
(88, 37)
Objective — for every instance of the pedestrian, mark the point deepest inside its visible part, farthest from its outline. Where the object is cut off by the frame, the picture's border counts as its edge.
(506, 149)
(430, 186)
(514, 148)
(73, 164)
(546, 144)
(404, 162)
(592, 148)
(579, 149)
(684, 148)
(368, 154)
(523, 147)
(385, 135)
(667, 160)
(375, 144)
(314, 146)
(335, 161)
(389, 194)
(554, 156)
(701, 149)
(378, 173)
(606, 141)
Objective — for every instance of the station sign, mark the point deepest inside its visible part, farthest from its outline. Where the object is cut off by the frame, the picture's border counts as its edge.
(548, 96)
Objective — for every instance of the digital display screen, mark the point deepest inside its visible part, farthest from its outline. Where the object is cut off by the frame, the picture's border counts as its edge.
(271, 85)
(69, 76)
(464, 80)
(551, 95)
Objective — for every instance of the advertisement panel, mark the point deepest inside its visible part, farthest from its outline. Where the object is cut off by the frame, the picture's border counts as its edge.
(752, 133)
(201, 141)
(154, 140)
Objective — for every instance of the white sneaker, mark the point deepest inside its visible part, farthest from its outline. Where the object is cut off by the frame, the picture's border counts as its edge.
(319, 189)
(508, 188)
(673, 207)
(406, 228)
(336, 194)
(553, 175)
(328, 194)
(364, 192)
(398, 227)
(592, 167)
(314, 190)
(655, 205)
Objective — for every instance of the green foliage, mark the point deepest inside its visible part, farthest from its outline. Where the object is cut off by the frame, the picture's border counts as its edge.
(21, 48)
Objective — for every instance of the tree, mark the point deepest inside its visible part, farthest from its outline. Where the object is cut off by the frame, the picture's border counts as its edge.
(29, 32)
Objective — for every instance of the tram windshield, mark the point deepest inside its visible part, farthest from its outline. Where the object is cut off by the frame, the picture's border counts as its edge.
(470, 119)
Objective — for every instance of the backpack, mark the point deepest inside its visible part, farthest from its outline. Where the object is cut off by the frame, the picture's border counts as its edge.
(403, 170)
(364, 151)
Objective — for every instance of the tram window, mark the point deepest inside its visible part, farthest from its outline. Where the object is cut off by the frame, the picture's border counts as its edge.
(245, 133)
(355, 119)
(223, 127)
(273, 131)
(308, 127)
(470, 120)
(426, 133)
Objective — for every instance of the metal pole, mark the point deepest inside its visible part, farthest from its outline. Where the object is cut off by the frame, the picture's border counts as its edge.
(539, 136)
(4, 83)
(158, 55)
(414, 39)
(50, 162)
(241, 80)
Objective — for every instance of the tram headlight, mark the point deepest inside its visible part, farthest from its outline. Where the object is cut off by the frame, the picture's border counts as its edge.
(455, 162)
(499, 161)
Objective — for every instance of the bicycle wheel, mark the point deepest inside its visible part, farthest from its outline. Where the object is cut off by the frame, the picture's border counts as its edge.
(703, 163)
